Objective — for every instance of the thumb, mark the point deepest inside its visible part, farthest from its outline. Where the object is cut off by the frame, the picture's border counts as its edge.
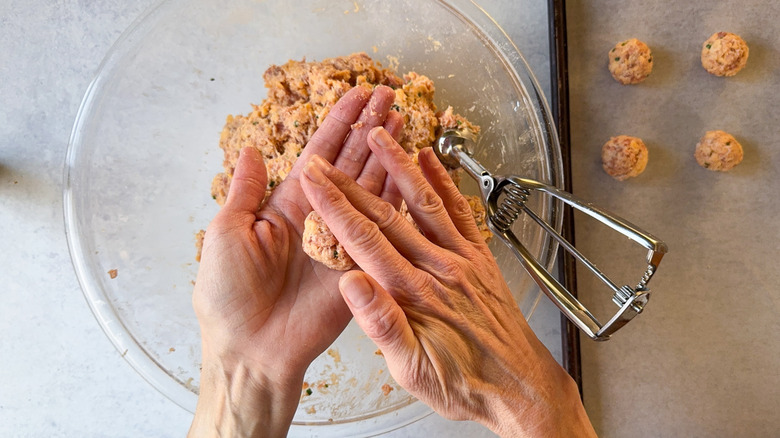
(247, 189)
(378, 315)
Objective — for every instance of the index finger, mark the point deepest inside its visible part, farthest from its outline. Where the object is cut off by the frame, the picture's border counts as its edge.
(329, 137)
(362, 237)
(425, 205)
(354, 153)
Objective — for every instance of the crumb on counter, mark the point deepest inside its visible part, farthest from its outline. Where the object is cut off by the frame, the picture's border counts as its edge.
(332, 352)
(199, 236)
(113, 273)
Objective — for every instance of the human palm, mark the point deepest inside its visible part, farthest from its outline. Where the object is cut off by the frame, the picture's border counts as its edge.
(258, 296)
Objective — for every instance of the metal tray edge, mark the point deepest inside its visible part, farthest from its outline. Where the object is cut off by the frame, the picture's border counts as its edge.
(559, 71)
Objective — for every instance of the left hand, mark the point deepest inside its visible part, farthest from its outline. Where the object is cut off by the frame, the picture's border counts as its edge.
(265, 309)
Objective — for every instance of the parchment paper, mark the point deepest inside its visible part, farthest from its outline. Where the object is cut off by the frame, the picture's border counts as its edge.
(703, 359)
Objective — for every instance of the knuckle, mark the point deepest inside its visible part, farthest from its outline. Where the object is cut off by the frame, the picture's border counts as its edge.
(372, 180)
(461, 207)
(450, 268)
(362, 232)
(427, 292)
(385, 215)
(333, 198)
(448, 271)
(384, 326)
(426, 200)
(248, 182)
(328, 198)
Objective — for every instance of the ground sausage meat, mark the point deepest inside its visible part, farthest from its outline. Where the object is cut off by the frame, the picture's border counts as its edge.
(321, 245)
(478, 210)
(623, 157)
(724, 54)
(300, 96)
(718, 150)
(630, 61)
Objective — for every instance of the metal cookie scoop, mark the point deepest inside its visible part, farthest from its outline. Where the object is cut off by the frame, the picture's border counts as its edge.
(505, 200)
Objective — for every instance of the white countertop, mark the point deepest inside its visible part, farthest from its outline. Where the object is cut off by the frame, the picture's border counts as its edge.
(59, 374)
(702, 360)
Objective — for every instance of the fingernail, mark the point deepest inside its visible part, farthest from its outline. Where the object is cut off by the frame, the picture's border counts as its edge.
(313, 170)
(382, 137)
(356, 289)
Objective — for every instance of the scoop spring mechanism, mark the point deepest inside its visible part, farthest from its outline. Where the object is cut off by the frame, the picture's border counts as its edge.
(505, 199)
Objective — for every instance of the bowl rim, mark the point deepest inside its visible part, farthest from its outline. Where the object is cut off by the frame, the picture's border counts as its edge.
(469, 11)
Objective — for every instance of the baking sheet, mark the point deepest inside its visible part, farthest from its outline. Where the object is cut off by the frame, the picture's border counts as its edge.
(702, 359)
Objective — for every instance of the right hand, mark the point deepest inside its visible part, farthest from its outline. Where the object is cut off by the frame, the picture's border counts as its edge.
(436, 304)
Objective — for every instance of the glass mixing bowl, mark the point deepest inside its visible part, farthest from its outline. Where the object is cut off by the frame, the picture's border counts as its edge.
(144, 149)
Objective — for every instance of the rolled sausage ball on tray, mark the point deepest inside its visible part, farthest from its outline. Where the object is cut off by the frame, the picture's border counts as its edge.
(719, 151)
(630, 61)
(724, 54)
(623, 157)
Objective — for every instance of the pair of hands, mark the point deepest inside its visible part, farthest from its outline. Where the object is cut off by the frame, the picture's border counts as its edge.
(435, 303)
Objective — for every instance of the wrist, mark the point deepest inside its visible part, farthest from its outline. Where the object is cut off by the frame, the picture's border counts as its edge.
(238, 400)
(552, 408)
